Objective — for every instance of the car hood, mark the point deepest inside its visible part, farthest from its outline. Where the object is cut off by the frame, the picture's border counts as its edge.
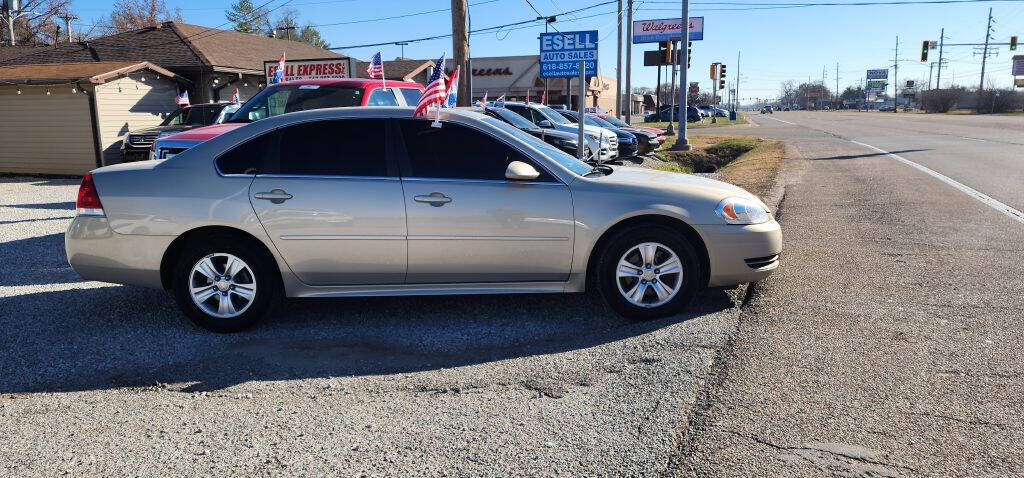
(588, 128)
(205, 133)
(163, 129)
(673, 184)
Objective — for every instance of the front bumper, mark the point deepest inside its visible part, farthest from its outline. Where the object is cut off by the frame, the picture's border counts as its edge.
(740, 254)
(627, 150)
(96, 252)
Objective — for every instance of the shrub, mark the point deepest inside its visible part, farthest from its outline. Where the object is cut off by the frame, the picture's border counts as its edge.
(941, 100)
(999, 101)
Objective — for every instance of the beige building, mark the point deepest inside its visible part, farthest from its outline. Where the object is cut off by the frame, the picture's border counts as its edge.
(64, 108)
(69, 118)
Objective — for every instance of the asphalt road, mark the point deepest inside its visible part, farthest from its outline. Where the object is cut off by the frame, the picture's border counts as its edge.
(889, 343)
(105, 380)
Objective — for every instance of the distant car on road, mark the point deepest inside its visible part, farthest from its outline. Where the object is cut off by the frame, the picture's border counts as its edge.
(136, 144)
(767, 110)
(291, 96)
(347, 202)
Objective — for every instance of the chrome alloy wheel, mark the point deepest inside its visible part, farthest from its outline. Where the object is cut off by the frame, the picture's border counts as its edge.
(222, 285)
(649, 274)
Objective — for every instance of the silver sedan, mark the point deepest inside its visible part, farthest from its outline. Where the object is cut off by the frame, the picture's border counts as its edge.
(351, 202)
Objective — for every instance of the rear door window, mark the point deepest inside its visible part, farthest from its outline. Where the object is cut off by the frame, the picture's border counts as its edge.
(250, 157)
(334, 148)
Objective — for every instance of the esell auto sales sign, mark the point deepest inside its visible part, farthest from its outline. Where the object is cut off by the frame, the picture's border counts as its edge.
(309, 69)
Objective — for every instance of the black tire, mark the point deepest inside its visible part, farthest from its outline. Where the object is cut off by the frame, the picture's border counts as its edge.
(623, 241)
(264, 274)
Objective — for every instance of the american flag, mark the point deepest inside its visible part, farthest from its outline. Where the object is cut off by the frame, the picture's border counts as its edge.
(182, 99)
(435, 92)
(376, 68)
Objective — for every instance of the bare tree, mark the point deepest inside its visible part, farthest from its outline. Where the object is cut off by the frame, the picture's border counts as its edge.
(135, 14)
(39, 26)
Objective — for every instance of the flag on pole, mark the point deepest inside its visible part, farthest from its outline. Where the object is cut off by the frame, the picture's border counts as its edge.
(235, 99)
(527, 96)
(452, 93)
(544, 97)
(435, 92)
(376, 69)
(483, 102)
(182, 99)
(279, 73)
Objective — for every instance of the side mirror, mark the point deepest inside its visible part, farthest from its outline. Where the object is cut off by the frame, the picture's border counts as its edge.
(520, 171)
(544, 124)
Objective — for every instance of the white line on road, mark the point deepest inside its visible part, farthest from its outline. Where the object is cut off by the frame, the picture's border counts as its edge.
(776, 119)
(974, 193)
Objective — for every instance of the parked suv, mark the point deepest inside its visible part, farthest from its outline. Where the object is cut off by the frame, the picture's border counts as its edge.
(299, 95)
(545, 117)
(136, 144)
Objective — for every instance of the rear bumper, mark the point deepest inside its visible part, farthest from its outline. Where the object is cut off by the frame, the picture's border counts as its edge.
(96, 252)
(739, 254)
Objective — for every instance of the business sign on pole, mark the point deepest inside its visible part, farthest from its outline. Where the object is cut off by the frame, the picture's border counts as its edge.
(881, 74)
(309, 69)
(694, 87)
(561, 52)
(666, 29)
(1018, 65)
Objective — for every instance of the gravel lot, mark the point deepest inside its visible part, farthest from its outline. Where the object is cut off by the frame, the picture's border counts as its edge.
(99, 379)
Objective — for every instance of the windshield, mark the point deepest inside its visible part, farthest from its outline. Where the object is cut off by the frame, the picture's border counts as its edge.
(513, 118)
(278, 100)
(615, 121)
(552, 115)
(600, 122)
(553, 153)
(194, 116)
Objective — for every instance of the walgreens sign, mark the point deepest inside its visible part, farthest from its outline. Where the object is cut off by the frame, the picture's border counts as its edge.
(666, 29)
(309, 69)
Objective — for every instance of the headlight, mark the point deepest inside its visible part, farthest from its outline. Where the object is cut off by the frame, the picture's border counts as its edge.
(738, 210)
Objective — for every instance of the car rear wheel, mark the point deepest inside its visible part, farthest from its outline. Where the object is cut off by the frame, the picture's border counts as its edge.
(648, 272)
(223, 285)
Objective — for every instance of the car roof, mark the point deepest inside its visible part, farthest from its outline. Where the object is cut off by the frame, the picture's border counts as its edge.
(351, 82)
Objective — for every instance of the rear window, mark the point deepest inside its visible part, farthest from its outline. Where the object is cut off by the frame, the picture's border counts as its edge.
(278, 100)
(412, 96)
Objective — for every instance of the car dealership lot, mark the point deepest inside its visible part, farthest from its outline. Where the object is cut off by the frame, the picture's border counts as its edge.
(94, 373)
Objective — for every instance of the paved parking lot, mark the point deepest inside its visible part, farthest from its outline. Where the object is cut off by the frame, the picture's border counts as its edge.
(94, 373)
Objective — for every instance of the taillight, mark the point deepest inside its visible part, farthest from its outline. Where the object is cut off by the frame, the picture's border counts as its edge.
(88, 203)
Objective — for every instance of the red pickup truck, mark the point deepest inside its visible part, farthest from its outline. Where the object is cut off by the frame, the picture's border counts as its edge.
(298, 95)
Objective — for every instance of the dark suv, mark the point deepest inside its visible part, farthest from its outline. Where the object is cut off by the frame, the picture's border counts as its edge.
(136, 144)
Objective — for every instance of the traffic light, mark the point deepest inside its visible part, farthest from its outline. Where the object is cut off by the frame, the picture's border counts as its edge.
(924, 51)
(668, 53)
(689, 53)
(712, 74)
(721, 77)
(1013, 43)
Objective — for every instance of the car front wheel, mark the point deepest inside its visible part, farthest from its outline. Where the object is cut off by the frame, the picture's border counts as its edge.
(649, 272)
(225, 286)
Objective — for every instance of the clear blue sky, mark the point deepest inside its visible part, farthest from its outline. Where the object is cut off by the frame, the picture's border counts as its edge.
(776, 44)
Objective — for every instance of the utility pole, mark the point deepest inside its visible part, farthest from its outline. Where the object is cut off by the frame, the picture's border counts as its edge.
(895, 76)
(736, 94)
(67, 17)
(618, 69)
(931, 67)
(984, 54)
(460, 47)
(629, 61)
(682, 144)
(942, 39)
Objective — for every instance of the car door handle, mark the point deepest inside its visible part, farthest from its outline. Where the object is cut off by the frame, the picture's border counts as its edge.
(434, 199)
(276, 196)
